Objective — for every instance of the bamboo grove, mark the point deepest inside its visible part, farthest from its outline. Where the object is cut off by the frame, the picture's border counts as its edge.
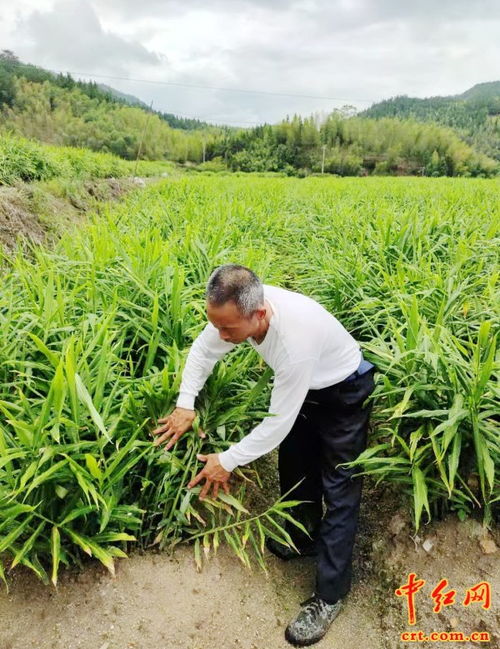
(57, 110)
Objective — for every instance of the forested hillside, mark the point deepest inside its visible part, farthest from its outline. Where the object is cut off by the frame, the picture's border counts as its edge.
(11, 66)
(475, 114)
(56, 109)
(353, 146)
(69, 117)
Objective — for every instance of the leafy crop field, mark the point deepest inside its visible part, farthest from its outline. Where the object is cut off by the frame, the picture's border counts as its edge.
(94, 333)
(28, 160)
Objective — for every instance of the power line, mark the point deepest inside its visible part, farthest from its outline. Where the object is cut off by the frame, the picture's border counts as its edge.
(204, 117)
(173, 112)
(199, 86)
(198, 117)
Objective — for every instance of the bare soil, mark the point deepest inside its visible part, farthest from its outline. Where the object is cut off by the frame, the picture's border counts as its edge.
(16, 219)
(159, 600)
(40, 212)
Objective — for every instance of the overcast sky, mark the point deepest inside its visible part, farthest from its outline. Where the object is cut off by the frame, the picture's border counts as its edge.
(335, 52)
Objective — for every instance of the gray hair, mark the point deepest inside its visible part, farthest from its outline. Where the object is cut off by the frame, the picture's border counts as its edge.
(237, 283)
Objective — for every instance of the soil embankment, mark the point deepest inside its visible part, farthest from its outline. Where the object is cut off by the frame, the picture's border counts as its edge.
(40, 212)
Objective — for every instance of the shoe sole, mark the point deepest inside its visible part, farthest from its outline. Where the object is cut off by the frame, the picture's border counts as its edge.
(312, 553)
(310, 641)
(302, 643)
(307, 553)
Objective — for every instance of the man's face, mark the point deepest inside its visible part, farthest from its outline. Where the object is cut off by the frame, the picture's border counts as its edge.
(232, 326)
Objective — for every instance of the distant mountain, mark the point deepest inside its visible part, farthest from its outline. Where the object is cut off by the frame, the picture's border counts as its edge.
(11, 67)
(488, 90)
(184, 123)
(57, 109)
(474, 114)
(128, 99)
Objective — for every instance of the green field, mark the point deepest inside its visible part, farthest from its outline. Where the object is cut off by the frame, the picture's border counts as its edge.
(27, 160)
(94, 333)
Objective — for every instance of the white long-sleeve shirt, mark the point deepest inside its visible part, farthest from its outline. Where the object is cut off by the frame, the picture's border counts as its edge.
(305, 345)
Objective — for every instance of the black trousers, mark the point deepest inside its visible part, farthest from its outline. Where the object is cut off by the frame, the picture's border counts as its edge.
(331, 427)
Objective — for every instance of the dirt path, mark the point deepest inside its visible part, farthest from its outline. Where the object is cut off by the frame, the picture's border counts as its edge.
(158, 601)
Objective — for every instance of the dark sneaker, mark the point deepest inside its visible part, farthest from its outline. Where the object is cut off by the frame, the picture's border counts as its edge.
(286, 553)
(312, 622)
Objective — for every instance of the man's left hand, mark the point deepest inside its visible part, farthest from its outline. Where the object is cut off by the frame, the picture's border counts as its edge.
(214, 473)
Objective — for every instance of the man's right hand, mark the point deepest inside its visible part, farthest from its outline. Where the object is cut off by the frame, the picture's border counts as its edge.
(174, 426)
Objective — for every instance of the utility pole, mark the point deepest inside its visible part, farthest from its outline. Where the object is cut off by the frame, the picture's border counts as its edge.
(323, 159)
(204, 150)
(142, 137)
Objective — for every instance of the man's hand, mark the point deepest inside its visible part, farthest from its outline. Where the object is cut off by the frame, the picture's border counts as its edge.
(175, 425)
(214, 473)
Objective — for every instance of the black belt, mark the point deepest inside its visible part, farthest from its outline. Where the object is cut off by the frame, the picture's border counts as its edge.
(364, 367)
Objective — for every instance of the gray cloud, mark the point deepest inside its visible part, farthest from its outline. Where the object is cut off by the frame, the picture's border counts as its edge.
(70, 36)
(330, 14)
(353, 50)
(175, 7)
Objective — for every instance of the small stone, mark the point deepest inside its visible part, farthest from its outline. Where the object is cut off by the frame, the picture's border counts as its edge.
(488, 545)
(396, 524)
(476, 529)
(427, 545)
(454, 622)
